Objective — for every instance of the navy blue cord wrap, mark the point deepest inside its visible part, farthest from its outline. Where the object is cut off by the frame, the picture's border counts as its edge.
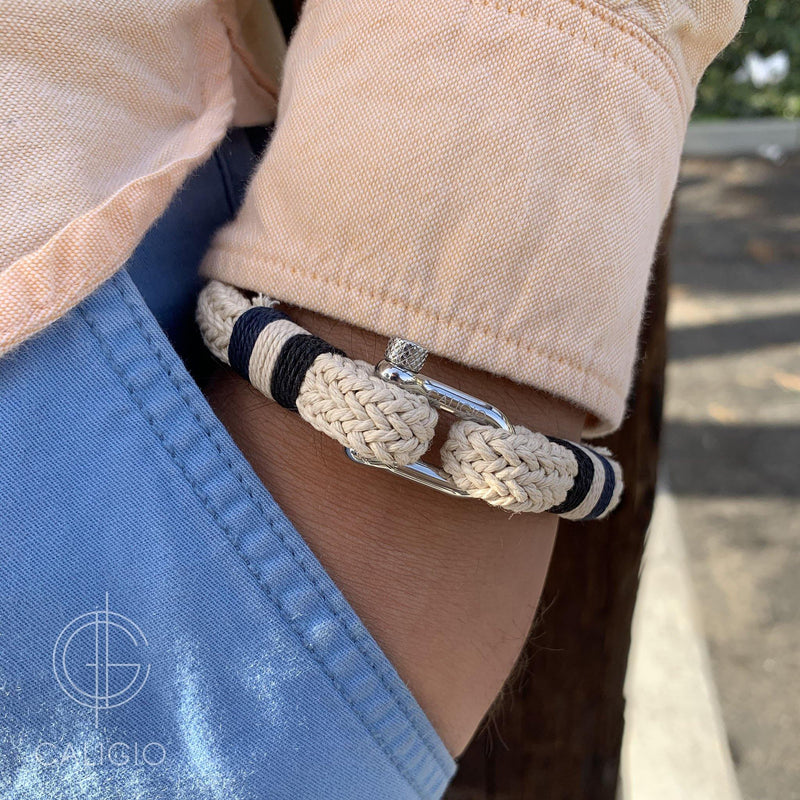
(587, 478)
(583, 480)
(296, 357)
(608, 488)
(245, 331)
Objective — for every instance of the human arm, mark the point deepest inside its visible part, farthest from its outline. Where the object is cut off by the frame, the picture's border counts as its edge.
(448, 587)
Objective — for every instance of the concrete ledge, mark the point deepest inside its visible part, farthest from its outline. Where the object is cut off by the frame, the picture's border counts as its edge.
(675, 746)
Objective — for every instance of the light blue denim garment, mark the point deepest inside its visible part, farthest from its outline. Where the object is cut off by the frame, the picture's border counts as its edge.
(164, 630)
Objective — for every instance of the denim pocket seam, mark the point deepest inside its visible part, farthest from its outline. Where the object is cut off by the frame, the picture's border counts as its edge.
(420, 785)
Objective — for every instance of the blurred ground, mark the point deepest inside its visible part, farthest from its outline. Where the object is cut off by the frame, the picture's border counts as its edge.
(732, 447)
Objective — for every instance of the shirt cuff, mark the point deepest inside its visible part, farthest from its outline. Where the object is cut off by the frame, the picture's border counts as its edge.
(488, 179)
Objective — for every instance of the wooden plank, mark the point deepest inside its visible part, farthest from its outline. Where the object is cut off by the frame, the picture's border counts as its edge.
(556, 733)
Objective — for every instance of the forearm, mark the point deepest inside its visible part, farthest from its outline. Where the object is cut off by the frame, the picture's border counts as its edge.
(447, 586)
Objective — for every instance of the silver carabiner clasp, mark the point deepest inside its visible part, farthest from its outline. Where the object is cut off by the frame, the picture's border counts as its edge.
(401, 365)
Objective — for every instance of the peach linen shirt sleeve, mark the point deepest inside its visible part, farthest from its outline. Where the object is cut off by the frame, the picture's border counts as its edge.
(488, 178)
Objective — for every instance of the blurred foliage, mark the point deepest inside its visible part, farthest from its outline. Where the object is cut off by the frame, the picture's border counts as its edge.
(771, 25)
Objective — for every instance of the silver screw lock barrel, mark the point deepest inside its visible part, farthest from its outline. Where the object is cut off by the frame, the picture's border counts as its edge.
(405, 354)
(402, 365)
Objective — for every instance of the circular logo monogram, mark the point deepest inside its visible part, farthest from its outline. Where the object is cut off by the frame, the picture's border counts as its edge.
(95, 660)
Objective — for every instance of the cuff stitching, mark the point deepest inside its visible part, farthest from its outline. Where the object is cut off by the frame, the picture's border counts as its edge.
(612, 20)
(438, 318)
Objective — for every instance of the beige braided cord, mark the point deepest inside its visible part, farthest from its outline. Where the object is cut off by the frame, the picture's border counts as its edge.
(517, 471)
(345, 399)
(522, 470)
(340, 397)
(218, 307)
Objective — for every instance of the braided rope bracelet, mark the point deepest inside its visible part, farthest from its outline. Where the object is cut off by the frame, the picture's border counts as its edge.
(386, 416)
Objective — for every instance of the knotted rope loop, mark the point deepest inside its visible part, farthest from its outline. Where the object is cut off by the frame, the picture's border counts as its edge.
(527, 471)
(338, 396)
(384, 423)
(519, 471)
(346, 400)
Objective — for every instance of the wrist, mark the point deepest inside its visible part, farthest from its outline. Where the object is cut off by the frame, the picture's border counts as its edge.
(447, 586)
